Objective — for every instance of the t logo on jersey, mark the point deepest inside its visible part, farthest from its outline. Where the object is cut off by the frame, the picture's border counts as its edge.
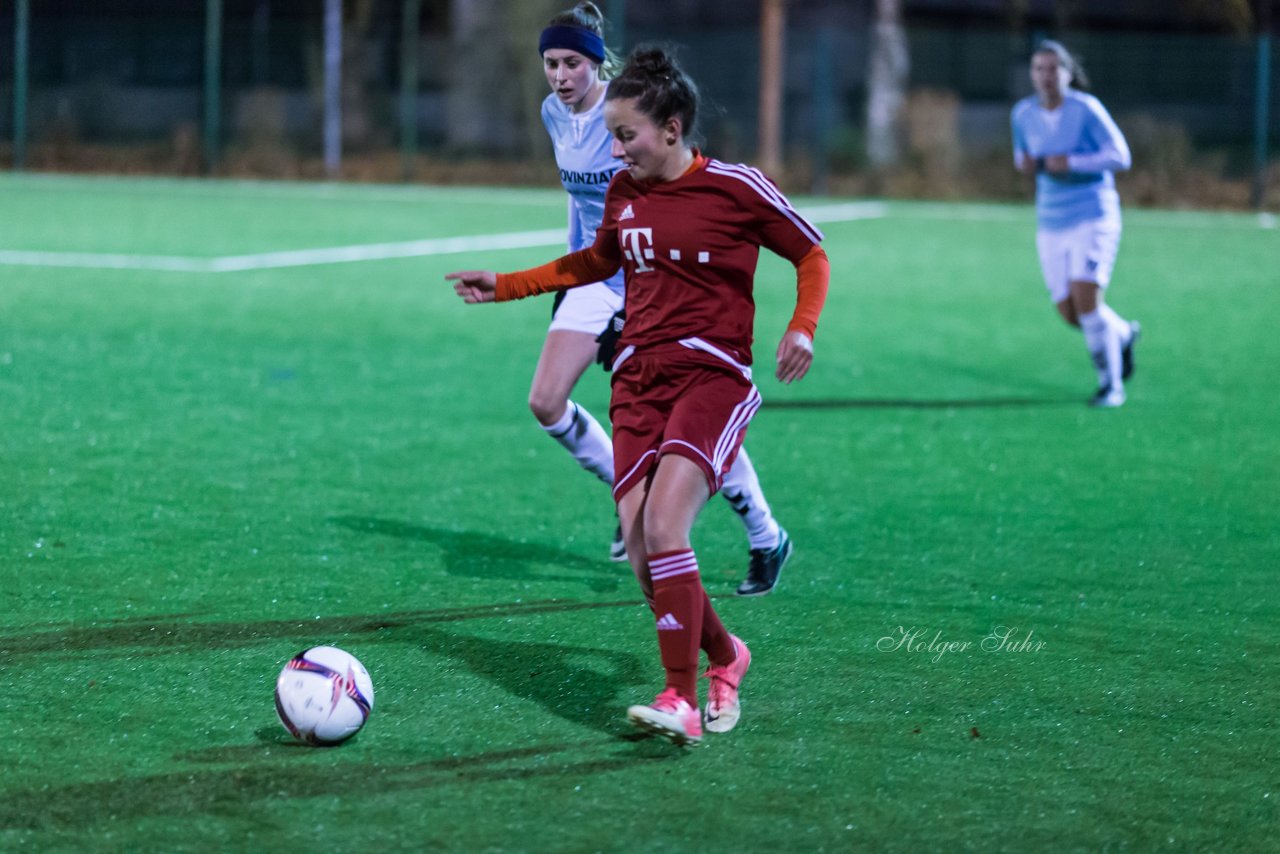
(640, 241)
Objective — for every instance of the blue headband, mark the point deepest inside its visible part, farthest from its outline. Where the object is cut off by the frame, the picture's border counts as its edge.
(583, 41)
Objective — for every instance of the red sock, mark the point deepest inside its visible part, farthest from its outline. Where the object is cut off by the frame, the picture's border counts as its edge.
(679, 600)
(716, 639)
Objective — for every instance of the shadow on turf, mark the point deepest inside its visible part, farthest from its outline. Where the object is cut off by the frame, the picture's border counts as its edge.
(905, 403)
(576, 683)
(166, 633)
(285, 776)
(474, 555)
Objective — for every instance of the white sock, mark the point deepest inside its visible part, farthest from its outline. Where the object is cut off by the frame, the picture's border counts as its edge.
(741, 487)
(1103, 341)
(584, 438)
(1116, 322)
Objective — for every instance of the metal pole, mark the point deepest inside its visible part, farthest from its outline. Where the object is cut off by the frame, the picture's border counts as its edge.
(409, 87)
(212, 83)
(772, 36)
(824, 100)
(261, 46)
(616, 12)
(332, 87)
(1262, 118)
(21, 35)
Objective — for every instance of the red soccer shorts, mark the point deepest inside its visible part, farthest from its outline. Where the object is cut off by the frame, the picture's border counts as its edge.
(678, 399)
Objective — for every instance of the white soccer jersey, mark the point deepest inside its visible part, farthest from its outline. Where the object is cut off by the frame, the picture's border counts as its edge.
(1082, 129)
(583, 149)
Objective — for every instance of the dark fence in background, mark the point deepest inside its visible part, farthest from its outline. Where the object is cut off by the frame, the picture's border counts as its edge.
(121, 87)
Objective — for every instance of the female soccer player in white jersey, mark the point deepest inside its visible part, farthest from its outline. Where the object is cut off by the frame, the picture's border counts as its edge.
(1067, 139)
(686, 231)
(577, 66)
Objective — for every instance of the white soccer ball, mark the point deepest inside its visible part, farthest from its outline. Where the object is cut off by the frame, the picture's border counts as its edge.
(324, 695)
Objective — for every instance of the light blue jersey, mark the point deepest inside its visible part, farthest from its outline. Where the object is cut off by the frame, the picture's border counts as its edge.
(1082, 129)
(583, 145)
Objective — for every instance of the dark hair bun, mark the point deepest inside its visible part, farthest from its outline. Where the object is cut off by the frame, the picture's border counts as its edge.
(659, 86)
(653, 62)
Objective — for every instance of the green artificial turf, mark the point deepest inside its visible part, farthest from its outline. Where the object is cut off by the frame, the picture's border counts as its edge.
(204, 473)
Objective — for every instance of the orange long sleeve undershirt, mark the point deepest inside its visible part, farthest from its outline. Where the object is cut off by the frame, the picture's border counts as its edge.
(576, 268)
(813, 275)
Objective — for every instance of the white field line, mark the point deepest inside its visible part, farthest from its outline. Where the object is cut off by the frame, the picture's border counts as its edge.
(293, 258)
(301, 190)
(103, 261)
(348, 254)
(382, 251)
(959, 212)
(844, 212)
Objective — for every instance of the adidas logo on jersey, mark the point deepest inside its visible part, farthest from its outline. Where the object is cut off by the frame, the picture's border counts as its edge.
(668, 623)
(627, 213)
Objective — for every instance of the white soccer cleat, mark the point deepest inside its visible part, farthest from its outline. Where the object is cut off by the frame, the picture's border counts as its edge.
(723, 707)
(669, 716)
(1107, 398)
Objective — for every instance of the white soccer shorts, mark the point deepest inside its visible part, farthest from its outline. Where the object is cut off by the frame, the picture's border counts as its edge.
(586, 309)
(1082, 253)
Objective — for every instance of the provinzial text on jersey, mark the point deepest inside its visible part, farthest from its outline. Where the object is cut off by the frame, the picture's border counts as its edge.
(567, 177)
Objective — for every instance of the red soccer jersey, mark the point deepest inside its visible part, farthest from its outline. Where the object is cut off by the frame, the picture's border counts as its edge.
(690, 247)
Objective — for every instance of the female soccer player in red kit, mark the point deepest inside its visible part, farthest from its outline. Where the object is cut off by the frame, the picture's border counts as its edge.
(687, 231)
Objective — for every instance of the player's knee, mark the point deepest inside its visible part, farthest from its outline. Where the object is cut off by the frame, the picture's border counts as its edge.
(1068, 312)
(663, 535)
(547, 408)
(1084, 298)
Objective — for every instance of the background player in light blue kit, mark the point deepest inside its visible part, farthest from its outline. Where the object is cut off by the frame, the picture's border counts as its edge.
(578, 65)
(1067, 139)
